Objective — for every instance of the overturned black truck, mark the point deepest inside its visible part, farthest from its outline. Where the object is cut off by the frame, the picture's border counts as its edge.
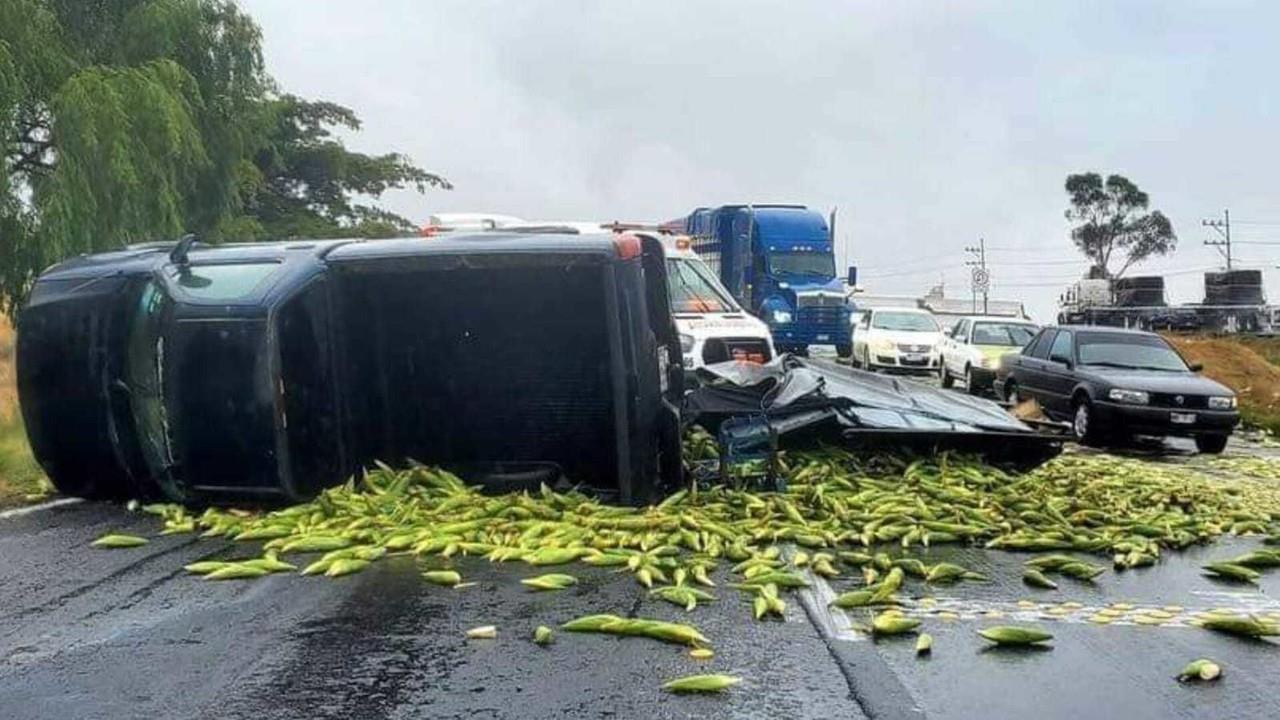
(270, 371)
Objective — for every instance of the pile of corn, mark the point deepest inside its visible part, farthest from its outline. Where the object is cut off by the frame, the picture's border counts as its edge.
(839, 509)
(839, 517)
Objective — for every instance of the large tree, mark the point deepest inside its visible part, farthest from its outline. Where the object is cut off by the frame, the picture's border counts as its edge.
(305, 180)
(132, 120)
(1112, 223)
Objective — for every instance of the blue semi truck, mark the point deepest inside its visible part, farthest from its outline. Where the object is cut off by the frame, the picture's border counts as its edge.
(779, 262)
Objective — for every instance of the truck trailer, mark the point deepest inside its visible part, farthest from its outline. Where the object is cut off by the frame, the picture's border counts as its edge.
(778, 261)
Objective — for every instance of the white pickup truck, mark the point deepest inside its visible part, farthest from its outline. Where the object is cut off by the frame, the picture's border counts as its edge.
(713, 327)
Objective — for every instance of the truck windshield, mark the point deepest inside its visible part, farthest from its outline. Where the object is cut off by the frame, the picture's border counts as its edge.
(223, 282)
(1006, 334)
(695, 290)
(802, 263)
(909, 321)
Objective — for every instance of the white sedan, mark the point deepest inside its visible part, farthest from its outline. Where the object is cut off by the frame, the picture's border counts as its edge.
(971, 349)
(901, 339)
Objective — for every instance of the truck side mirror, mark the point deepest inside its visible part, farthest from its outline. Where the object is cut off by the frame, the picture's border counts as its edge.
(1196, 367)
(853, 276)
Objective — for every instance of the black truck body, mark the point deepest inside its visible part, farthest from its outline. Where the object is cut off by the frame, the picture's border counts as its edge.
(270, 371)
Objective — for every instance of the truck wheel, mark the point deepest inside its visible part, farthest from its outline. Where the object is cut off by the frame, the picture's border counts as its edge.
(1211, 444)
(844, 350)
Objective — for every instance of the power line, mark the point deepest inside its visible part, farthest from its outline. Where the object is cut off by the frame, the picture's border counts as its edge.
(1223, 227)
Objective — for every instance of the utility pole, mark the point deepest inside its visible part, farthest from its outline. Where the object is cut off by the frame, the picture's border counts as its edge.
(980, 277)
(1223, 227)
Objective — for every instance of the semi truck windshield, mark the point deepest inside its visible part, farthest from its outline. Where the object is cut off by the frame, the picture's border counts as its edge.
(695, 290)
(802, 263)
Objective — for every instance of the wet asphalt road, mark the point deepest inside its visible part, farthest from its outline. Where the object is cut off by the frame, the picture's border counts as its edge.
(88, 633)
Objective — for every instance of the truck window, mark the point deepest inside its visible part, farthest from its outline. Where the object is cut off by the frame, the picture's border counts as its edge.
(694, 290)
(802, 263)
(223, 282)
(144, 363)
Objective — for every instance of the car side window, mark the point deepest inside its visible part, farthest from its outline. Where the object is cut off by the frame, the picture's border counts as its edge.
(962, 335)
(1039, 348)
(954, 332)
(1061, 347)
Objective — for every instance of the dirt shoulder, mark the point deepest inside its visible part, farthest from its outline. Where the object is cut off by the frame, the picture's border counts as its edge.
(1250, 366)
(21, 479)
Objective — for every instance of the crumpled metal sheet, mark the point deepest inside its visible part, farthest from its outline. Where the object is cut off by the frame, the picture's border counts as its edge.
(790, 385)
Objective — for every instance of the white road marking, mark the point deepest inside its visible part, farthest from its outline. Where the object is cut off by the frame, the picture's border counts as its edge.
(966, 609)
(19, 512)
(831, 621)
(816, 599)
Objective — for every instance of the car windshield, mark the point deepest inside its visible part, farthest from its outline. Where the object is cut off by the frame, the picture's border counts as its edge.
(1138, 352)
(909, 321)
(695, 290)
(1004, 334)
(802, 263)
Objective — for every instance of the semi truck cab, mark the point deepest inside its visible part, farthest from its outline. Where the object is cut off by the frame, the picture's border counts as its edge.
(778, 261)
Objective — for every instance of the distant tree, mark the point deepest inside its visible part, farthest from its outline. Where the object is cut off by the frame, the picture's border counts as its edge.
(132, 120)
(1112, 223)
(306, 179)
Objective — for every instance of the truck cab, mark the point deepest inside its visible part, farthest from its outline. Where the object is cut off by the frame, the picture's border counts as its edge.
(269, 371)
(711, 324)
(778, 262)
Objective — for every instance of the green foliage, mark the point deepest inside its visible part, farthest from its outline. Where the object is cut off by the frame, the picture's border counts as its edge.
(1111, 223)
(133, 120)
(306, 177)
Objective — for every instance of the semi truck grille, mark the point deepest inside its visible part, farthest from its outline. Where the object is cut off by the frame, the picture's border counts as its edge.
(835, 301)
(723, 349)
(820, 315)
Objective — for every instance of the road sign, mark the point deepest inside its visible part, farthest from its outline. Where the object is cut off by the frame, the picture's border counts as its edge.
(981, 278)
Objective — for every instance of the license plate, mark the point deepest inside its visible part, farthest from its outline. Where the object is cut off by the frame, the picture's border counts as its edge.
(824, 338)
(913, 357)
(1178, 418)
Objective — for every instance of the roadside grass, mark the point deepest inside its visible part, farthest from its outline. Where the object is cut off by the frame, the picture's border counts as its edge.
(1249, 366)
(21, 479)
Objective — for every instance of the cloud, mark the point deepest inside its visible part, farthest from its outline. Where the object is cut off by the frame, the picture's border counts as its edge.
(928, 124)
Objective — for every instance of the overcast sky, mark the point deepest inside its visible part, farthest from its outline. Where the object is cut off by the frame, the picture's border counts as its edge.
(929, 124)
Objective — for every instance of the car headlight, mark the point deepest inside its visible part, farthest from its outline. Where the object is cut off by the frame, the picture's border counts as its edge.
(988, 363)
(782, 317)
(1222, 403)
(882, 346)
(686, 343)
(1133, 397)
